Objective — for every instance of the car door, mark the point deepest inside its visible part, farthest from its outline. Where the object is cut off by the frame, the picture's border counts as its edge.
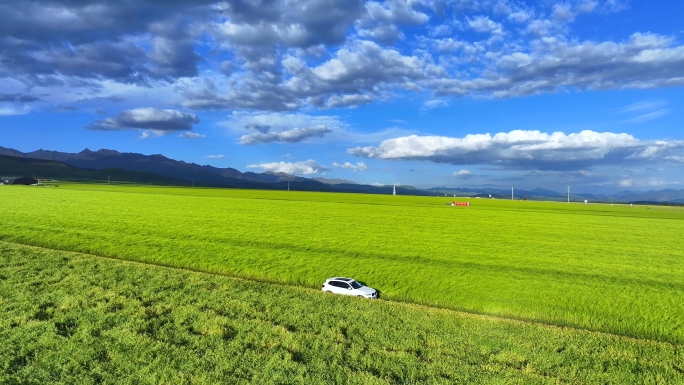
(345, 289)
(340, 287)
(335, 287)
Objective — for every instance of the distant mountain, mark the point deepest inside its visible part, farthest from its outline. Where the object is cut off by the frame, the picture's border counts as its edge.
(97, 165)
(52, 169)
(667, 195)
(155, 164)
(274, 177)
(333, 181)
(497, 193)
(158, 169)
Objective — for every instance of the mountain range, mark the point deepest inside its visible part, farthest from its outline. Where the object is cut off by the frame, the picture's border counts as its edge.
(158, 169)
(98, 165)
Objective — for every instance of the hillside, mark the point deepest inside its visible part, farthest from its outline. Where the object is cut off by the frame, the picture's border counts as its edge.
(172, 171)
(130, 167)
(51, 169)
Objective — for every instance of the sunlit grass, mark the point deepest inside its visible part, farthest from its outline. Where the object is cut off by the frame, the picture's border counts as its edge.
(78, 319)
(613, 269)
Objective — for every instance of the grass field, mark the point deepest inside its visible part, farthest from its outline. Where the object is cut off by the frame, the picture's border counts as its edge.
(612, 269)
(79, 319)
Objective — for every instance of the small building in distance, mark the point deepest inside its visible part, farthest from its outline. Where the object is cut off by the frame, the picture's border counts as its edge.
(25, 180)
(7, 179)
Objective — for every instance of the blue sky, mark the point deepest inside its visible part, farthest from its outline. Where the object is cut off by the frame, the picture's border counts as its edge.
(430, 93)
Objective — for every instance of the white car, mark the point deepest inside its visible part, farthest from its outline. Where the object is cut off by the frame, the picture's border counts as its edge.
(348, 286)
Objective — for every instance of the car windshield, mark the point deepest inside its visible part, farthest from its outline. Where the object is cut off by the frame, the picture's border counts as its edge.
(355, 284)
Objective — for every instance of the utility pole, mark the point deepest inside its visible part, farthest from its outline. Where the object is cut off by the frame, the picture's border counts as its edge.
(511, 193)
(394, 189)
(568, 194)
(107, 179)
(288, 185)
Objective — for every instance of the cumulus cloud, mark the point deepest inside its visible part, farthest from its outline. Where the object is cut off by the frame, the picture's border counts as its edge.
(484, 24)
(643, 61)
(462, 173)
(278, 127)
(359, 73)
(296, 168)
(359, 166)
(526, 149)
(153, 121)
(280, 55)
(294, 135)
(382, 20)
(260, 127)
(215, 156)
(305, 23)
(94, 40)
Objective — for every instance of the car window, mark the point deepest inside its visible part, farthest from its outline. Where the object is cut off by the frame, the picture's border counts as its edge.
(337, 284)
(355, 284)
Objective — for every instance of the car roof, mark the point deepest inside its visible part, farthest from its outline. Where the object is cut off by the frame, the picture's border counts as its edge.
(340, 279)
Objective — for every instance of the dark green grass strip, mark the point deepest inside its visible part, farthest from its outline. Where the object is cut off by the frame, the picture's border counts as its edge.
(74, 318)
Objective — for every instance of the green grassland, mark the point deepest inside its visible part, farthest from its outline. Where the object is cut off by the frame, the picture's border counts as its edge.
(79, 319)
(615, 269)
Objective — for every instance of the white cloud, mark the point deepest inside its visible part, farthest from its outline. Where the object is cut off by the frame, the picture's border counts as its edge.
(153, 120)
(294, 135)
(274, 56)
(645, 105)
(297, 168)
(359, 166)
(281, 127)
(462, 173)
(215, 156)
(440, 30)
(280, 123)
(434, 103)
(648, 110)
(644, 61)
(191, 135)
(649, 116)
(152, 134)
(485, 24)
(652, 182)
(383, 19)
(242, 121)
(611, 6)
(525, 149)
(519, 16)
(7, 109)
